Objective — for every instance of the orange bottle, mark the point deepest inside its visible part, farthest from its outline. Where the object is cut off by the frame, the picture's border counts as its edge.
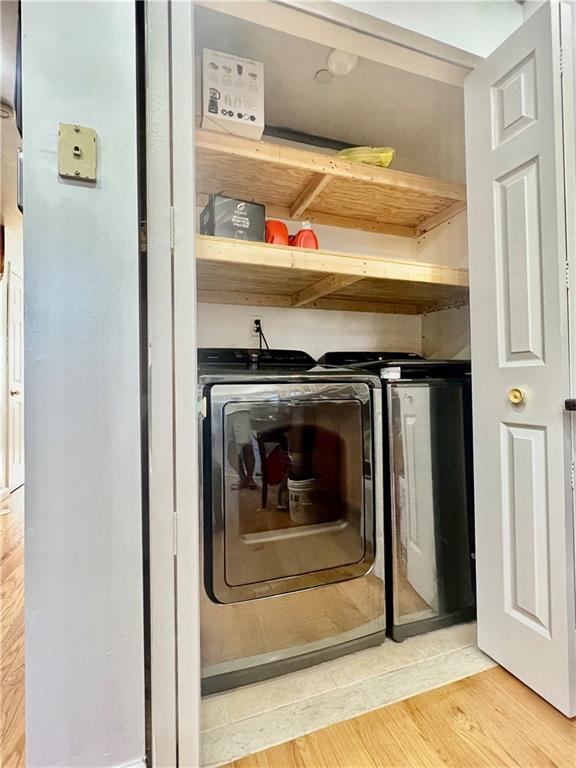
(276, 232)
(305, 237)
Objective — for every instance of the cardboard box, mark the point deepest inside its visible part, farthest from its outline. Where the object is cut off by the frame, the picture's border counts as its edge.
(232, 94)
(238, 219)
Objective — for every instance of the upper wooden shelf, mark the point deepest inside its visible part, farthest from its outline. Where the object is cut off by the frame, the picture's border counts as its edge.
(256, 274)
(296, 184)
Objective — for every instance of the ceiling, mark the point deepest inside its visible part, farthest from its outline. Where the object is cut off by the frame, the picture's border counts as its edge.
(9, 136)
(374, 105)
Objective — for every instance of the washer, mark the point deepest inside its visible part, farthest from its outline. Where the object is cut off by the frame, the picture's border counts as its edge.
(342, 359)
(293, 556)
(428, 481)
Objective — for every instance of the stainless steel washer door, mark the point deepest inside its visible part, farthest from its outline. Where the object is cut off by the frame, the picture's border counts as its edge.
(292, 500)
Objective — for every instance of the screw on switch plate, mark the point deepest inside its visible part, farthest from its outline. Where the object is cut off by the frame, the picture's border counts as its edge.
(77, 152)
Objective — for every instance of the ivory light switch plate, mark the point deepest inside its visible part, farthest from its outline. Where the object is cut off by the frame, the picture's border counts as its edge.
(77, 152)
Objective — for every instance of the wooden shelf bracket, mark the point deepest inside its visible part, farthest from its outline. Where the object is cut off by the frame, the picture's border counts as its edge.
(309, 194)
(323, 287)
(439, 218)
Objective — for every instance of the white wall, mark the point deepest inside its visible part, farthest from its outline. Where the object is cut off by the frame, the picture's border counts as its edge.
(447, 244)
(84, 639)
(312, 330)
(476, 26)
(531, 6)
(446, 334)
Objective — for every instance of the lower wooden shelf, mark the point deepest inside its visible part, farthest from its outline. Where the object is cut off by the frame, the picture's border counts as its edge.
(257, 274)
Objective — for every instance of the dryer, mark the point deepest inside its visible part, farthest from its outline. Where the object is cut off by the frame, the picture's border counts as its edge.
(293, 565)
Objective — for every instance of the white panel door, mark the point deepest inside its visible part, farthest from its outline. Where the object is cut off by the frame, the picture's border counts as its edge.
(519, 318)
(15, 381)
(4, 485)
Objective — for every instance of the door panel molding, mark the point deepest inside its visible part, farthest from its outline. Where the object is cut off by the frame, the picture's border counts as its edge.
(519, 257)
(514, 101)
(525, 530)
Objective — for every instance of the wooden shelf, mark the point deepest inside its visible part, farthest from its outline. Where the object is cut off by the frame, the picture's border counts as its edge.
(295, 184)
(257, 274)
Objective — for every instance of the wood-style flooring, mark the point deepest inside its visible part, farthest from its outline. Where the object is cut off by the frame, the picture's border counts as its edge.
(490, 720)
(12, 633)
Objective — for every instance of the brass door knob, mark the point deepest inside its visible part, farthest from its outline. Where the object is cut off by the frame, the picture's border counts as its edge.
(516, 396)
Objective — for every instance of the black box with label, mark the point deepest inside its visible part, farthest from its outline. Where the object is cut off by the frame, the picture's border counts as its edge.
(238, 219)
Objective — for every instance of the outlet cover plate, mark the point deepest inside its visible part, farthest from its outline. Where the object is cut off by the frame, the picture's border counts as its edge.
(77, 152)
(253, 320)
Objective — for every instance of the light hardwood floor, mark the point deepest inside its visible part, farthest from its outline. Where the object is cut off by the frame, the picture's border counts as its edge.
(486, 721)
(490, 720)
(12, 633)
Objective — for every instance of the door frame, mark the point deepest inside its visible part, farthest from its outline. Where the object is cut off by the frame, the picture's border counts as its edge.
(173, 514)
(173, 522)
(567, 31)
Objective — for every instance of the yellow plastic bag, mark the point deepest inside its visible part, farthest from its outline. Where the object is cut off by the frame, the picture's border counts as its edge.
(381, 156)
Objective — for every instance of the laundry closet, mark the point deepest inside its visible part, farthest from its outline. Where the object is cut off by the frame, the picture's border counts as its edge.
(483, 165)
(314, 536)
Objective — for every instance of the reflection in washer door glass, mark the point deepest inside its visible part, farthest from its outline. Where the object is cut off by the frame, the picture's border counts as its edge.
(293, 463)
(430, 519)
